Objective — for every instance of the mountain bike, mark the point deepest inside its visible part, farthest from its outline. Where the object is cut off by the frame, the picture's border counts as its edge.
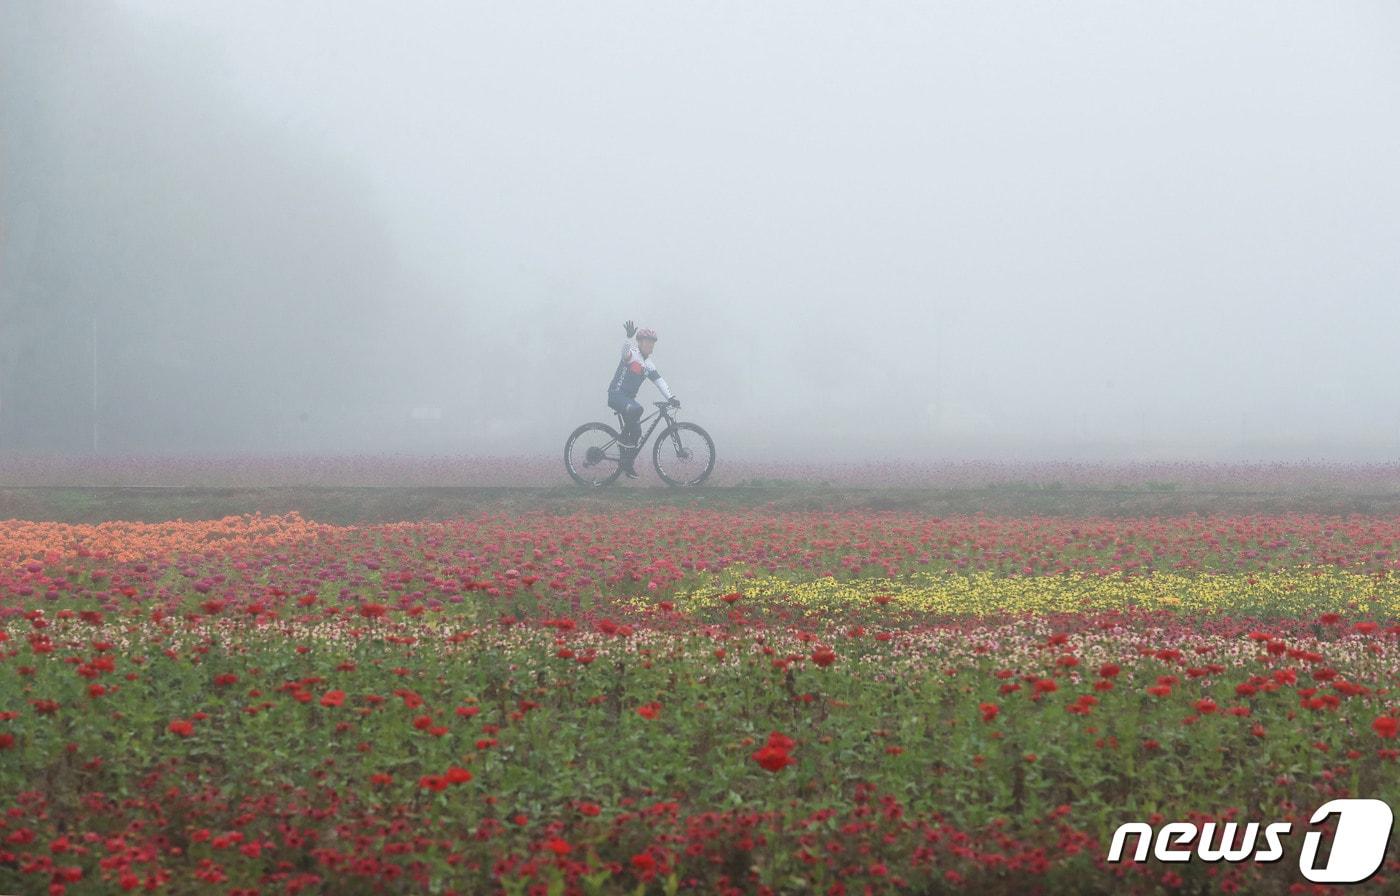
(684, 454)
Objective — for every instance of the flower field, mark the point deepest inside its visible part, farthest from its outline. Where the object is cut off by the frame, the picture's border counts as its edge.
(684, 700)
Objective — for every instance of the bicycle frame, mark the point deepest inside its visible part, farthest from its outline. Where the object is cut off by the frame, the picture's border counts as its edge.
(656, 417)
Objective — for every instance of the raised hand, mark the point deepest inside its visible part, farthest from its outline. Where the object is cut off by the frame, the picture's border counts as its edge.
(630, 328)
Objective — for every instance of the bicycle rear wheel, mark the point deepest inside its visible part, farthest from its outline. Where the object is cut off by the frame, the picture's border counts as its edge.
(684, 455)
(592, 455)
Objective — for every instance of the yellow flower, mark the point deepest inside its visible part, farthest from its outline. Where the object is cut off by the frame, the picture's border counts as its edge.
(1304, 591)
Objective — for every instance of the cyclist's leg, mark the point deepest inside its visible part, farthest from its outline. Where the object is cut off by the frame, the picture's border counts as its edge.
(618, 402)
(631, 413)
(630, 437)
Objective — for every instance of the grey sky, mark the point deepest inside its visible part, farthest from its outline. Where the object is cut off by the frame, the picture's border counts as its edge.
(1052, 229)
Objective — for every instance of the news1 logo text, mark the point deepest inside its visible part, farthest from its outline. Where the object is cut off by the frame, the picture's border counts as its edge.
(1358, 846)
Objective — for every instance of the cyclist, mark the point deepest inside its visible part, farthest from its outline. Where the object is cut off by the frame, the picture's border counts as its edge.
(622, 389)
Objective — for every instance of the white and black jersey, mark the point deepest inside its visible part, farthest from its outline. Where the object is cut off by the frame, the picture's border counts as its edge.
(632, 369)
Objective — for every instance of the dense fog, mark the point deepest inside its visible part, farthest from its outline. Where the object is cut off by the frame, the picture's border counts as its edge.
(952, 230)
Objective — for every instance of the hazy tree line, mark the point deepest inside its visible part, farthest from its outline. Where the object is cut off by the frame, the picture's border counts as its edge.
(234, 279)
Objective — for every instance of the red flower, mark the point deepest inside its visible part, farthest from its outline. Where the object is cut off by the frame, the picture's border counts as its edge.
(1109, 670)
(649, 710)
(333, 698)
(823, 656)
(558, 847)
(989, 711)
(773, 759)
(373, 611)
(1386, 726)
(730, 598)
(773, 756)
(457, 775)
(181, 727)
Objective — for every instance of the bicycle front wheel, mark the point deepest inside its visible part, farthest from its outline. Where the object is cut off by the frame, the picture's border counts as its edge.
(592, 455)
(684, 455)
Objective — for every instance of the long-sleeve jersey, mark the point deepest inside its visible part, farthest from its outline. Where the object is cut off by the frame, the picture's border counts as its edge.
(627, 379)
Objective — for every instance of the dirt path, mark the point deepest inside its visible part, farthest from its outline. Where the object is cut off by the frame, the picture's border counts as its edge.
(381, 504)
